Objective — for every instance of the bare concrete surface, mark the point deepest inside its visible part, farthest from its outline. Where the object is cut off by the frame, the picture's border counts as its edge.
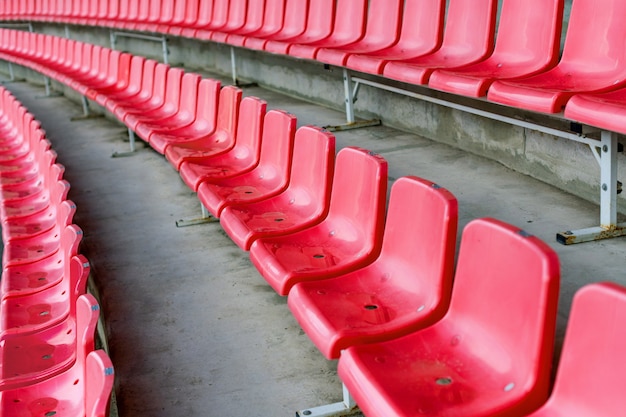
(194, 330)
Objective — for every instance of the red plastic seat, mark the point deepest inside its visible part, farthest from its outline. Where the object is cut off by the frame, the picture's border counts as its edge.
(31, 357)
(382, 31)
(182, 114)
(242, 157)
(237, 13)
(294, 24)
(589, 377)
(527, 43)
(204, 118)
(219, 140)
(132, 87)
(27, 279)
(83, 390)
(348, 238)
(319, 25)
(159, 108)
(489, 355)
(421, 33)
(29, 249)
(273, 16)
(592, 61)
(260, 15)
(145, 100)
(349, 27)
(304, 203)
(145, 91)
(198, 14)
(35, 312)
(218, 19)
(268, 178)
(468, 38)
(117, 79)
(606, 111)
(406, 289)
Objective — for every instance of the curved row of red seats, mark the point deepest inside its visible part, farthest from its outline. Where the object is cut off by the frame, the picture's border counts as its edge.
(48, 361)
(459, 48)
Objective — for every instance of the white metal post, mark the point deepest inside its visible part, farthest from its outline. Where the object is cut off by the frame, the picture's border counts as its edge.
(608, 180)
(347, 88)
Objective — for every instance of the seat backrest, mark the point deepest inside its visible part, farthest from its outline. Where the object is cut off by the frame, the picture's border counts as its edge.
(254, 16)
(294, 22)
(87, 314)
(320, 18)
(250, 127)
(79, 270)
(207, 104)
(313, 164)
(173, 87)
(383, 21)
(273, 17)
(422, 25)
(114, 9)
(236, 15)
(349, 20)
(135, 74)
(470, 27)
(189, 93)
(279, 129)
(359, 191)
(504, 301)
(420, 238)
(99, 379)
(525, 36)
(192, 12)
(589, 379)
(219, 16)
(596, 36)
(159, 83)
(228, 109)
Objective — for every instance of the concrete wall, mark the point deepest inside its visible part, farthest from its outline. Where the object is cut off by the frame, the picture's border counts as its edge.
(565, 164)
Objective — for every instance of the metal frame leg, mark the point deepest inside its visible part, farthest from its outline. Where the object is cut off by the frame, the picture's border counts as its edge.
(131, 143)
(350, 97)
(608, 198)
(346, 407)
(206, 218)
(48, 88)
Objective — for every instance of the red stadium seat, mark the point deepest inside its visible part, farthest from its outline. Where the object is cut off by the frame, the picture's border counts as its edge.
(588, 380)
(151, 96)
(131, 97)
(82, 390)
(28, 313)
(272, 23)
(382, 31)
(196, 14)
(348, 238)
(183, 111)
(294, 25)
(304, 202)
(168, 104)
(242, 157)
(489, 355)
(406, 289)
(25, 280)
(219, 140)
(319, 25)
(132, 87)
(219, 18)
(606, 110)
(421, 33)
(349, 27)
(204, 118)
(26, 358)
(237, 13)
(268, 178)
(527, 43)
(260, 13)
(592, 61)
(117, 78)
(468, 38)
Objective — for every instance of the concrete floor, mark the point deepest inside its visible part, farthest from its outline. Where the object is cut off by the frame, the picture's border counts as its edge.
(193, 328)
